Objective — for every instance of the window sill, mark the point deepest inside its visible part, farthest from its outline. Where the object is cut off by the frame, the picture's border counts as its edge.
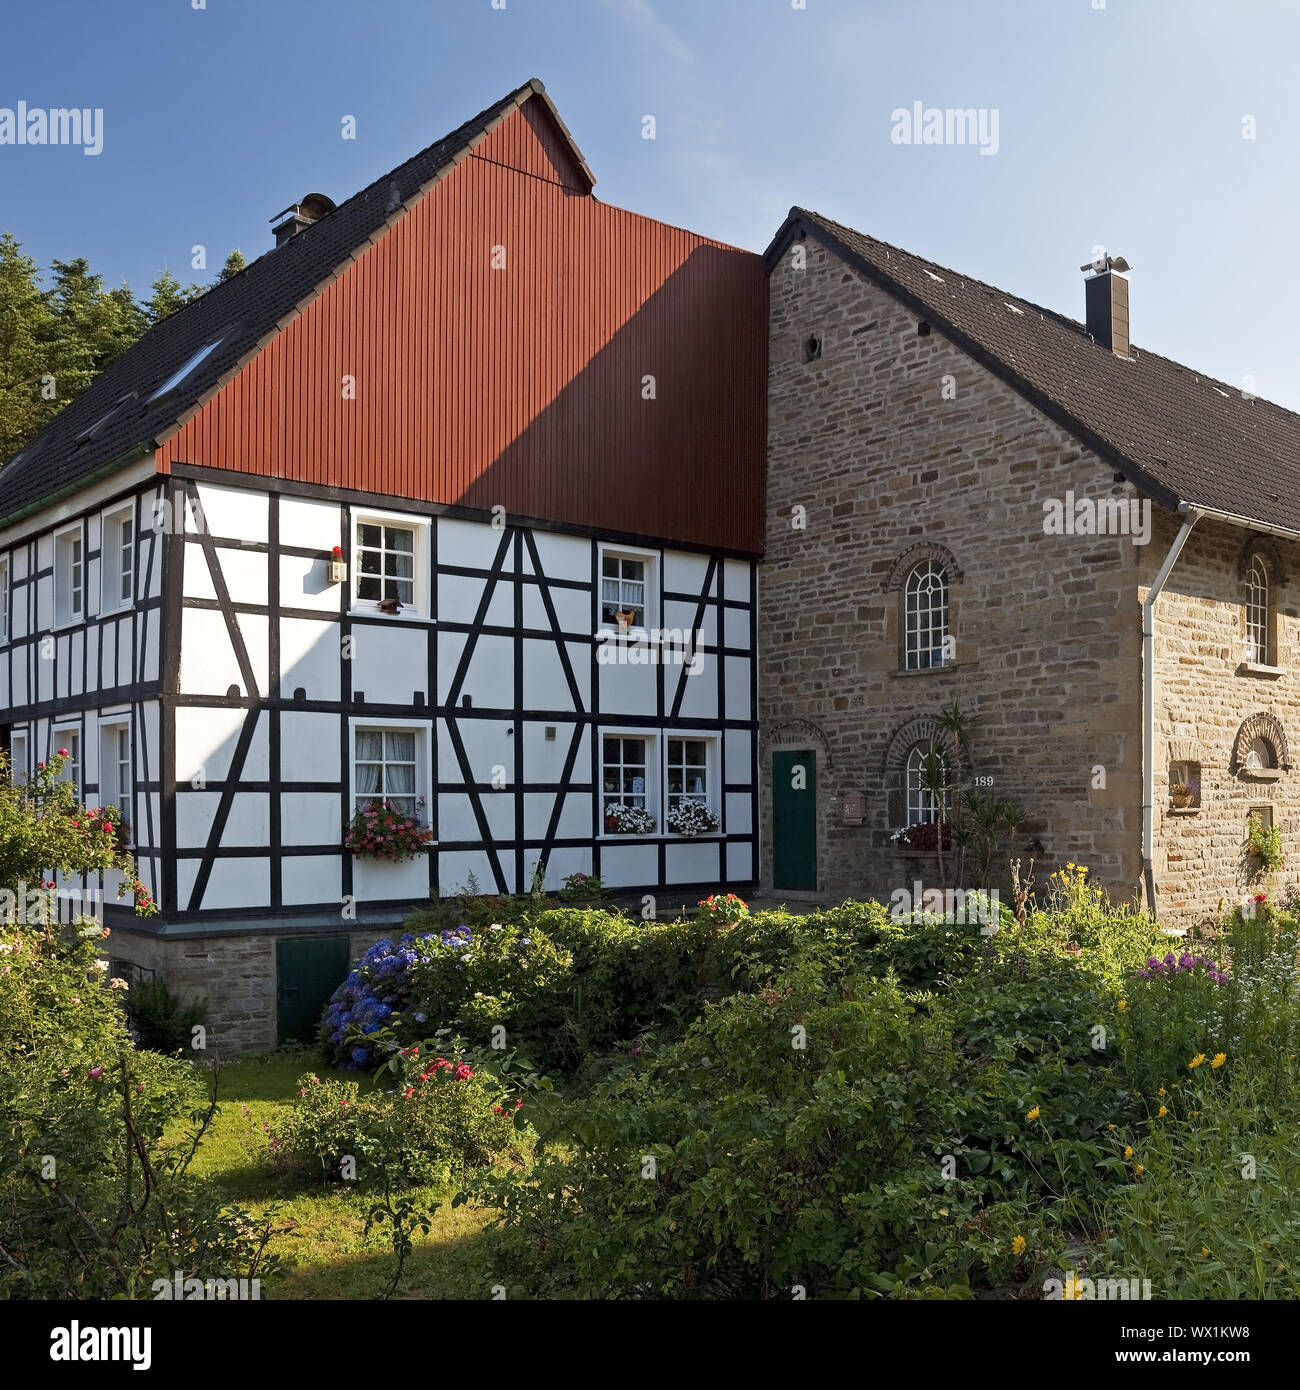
(634, 634)
(65, 623)
(1257, 668)
(1183, 811)
(1260, 774)
(930, 670)
(109, 610)
(904, 852)
(365, 609)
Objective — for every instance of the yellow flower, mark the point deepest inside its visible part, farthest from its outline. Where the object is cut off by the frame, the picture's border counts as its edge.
(1161, 1091)
(1111, 1128)
(1196, 1061)
(1123, 1004)
(1164, 1110)
(1219, 1059)
(1204, 1252)
(1018, 1246)
(1128, 1150)
(1138, 1169)
(1033, 1114)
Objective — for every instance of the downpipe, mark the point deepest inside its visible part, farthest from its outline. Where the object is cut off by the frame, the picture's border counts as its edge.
(1149, 707)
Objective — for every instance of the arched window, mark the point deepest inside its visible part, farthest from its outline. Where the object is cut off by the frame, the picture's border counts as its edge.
(1258, 619)
(922, 808)
(925, 616)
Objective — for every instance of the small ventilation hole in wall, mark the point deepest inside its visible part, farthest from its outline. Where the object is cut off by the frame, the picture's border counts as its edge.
(812, 349)
(922, 329)
(300, 692)
(232, 692)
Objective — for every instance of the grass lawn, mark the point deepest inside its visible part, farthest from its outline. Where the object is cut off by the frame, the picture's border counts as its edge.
(322, 1249)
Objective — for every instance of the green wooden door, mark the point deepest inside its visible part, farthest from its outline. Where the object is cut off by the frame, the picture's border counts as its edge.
(308, 969)
(794, 820)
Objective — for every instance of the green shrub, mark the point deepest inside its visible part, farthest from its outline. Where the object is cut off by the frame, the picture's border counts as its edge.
(441, 1118)
(81, 1114)
(159, 1018)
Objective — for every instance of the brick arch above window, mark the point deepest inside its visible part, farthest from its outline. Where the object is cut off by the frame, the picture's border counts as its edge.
(1268, 552)
(901, 742)
(910, 558)
(1269, 728)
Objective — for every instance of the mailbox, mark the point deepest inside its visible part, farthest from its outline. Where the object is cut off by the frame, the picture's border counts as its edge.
(853, 808)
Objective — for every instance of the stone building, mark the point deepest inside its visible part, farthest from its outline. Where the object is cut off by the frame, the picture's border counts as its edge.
(971, 497)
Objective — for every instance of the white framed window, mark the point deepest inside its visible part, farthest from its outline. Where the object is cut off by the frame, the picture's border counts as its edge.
(691, 784)
(117, 559)
(1258, 645)
(20, 767)
(925, 617)
(71, 740)
(627, 587)
(630, 780)
(390, 561)
(116, 782)
(4, 599)
(69, 575)
(922, 808)
(390, 764)
(688, 771)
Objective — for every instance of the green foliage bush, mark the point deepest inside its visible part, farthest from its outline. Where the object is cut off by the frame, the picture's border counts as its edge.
(94, 1202)
(837, 1129)
(441, 1117)
(161, 1021)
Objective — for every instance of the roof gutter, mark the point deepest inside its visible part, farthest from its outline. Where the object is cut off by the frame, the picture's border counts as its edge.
(48, 499)
(1191, 515)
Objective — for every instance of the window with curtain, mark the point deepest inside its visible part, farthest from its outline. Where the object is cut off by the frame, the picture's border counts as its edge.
(623, 587)
(384, 766)
(386, 562)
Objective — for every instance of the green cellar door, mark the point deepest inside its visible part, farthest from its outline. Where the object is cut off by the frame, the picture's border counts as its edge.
(794, 820)
(308, 969)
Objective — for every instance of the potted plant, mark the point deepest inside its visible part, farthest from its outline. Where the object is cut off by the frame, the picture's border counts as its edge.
(380, 830)
(1180, 794)
(629, 820)
(1264, 844)
(691, 818)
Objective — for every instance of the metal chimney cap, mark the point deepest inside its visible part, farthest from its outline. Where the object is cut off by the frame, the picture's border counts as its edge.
(1117, 263)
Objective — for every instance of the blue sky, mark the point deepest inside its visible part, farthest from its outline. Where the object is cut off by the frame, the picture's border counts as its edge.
(1119, 126)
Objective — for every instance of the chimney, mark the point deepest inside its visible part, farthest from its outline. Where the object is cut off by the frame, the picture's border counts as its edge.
(298, 216)
(1106, 302)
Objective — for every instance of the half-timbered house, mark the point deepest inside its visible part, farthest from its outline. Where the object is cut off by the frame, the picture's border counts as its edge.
(452, 500)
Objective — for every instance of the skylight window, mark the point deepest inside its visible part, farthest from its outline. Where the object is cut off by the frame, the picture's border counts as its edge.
(181, 373)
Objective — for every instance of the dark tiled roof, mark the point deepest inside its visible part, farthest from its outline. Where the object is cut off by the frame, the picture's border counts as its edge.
(240, 312)
(1176, 433)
